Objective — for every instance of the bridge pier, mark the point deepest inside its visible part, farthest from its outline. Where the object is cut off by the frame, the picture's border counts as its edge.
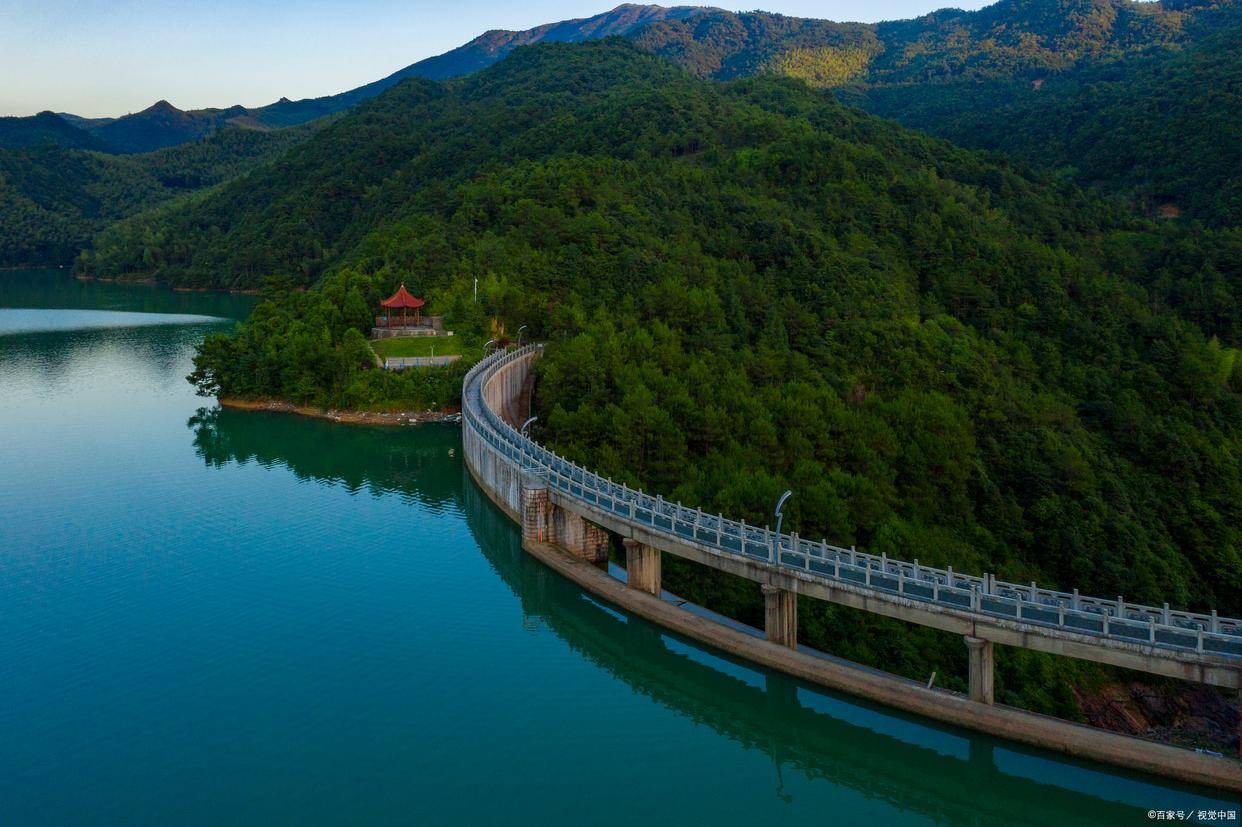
(780, 615)
(543, 522)
(982, 661)
(535, 511)
(579, 537)
(595, 543)
(642, 567)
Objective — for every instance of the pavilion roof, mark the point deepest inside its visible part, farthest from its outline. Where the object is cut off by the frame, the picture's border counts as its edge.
(402, 298)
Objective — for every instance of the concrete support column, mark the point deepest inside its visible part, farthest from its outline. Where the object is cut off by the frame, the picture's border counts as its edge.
(982, 660)
(535, 512)
(642, 567)
(780, 615)
(577, 536)
(594, 543)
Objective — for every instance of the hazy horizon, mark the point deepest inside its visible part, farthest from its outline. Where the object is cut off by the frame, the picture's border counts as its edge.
(73, 57)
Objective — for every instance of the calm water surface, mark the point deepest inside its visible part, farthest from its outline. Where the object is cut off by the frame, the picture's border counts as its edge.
(211, 616)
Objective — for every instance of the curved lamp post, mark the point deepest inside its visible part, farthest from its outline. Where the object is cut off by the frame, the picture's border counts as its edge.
(526, 425)
(520, 329)
(776, 540)
(488, 346)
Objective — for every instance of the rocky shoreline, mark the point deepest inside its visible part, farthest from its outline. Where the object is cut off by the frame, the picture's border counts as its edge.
(344, 416)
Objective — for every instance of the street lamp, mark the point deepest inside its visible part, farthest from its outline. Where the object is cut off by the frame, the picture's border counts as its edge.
(520, 329)
(775, 551)
(526, 425)
(489, 344)
(779, 515)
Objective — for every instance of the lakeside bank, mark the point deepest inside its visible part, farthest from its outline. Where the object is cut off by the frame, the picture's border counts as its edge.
(348, 417)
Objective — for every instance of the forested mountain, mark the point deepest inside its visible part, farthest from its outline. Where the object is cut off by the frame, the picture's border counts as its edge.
(163, 125)
(1140, 98)
(1003, 40)
(1162, 124)
(54, 199)
(45, 129)
(748, 287)
(479, 53)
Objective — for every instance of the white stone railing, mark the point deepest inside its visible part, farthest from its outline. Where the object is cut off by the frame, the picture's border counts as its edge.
(1157, 626)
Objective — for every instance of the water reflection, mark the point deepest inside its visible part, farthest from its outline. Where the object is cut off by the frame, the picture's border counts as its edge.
(19, 321)
(411, 461)
(945, 774)
(939, 773)
(145, 357)
(51, 288)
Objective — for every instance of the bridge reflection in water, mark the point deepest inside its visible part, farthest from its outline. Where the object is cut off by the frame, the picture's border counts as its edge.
(946, 774)
(935, 772)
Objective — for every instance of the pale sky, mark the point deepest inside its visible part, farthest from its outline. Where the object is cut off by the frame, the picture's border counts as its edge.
(110, 57)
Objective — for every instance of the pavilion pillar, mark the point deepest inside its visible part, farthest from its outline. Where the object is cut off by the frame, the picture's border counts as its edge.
(642, 567)
(982, 662)
(780, 615)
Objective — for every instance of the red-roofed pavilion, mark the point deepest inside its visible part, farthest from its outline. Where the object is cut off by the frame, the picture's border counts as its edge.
(405, 302)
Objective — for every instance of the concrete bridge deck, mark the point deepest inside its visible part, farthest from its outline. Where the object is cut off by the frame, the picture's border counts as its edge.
(567, 506)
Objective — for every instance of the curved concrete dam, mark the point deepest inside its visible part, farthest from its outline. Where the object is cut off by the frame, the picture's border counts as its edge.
(567, 514)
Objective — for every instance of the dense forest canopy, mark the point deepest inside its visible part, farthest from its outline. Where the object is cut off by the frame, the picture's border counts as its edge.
(749, 287)
(1144, 99)
(1164, 125)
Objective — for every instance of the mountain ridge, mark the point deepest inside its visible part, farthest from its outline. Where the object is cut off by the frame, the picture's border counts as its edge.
(46, 129)
(1008, 39)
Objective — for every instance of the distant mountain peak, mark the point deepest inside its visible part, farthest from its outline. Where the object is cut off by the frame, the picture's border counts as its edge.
(160, 106)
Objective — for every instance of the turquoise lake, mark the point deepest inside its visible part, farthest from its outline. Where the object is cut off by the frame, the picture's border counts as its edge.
(214, 616)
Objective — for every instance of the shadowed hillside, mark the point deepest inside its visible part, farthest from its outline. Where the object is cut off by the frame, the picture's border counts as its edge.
(45, 129)
(54, 199)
